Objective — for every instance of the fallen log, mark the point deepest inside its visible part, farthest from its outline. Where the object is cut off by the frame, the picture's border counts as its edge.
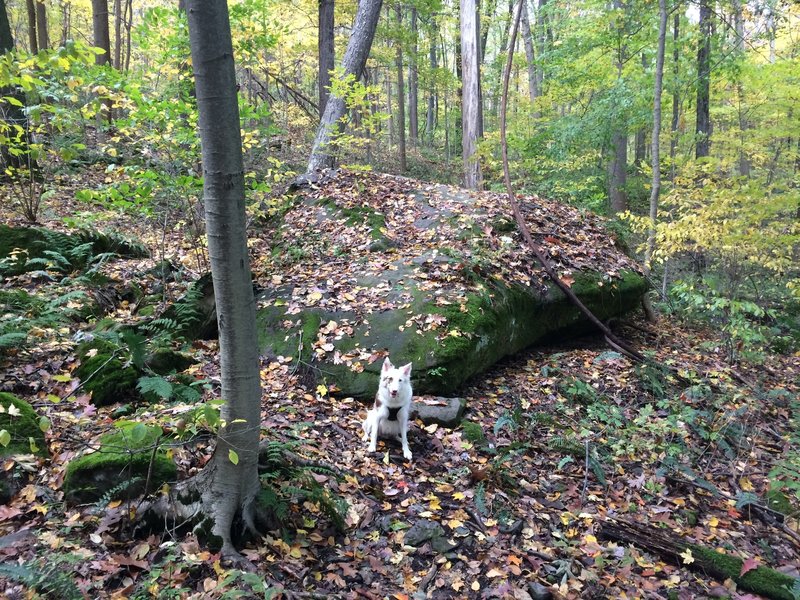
(759, 580)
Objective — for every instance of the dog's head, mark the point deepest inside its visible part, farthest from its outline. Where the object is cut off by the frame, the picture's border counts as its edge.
(395, 380)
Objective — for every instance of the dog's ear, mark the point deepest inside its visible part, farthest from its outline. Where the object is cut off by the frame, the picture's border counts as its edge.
(387, 364)
(406, 369)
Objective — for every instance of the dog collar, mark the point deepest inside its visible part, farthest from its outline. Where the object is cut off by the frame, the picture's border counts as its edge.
(393, 412)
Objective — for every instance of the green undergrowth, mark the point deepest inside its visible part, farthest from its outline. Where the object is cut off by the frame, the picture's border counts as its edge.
(21, 429)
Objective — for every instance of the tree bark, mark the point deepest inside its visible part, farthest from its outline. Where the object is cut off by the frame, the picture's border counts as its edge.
(470, 98)
(744, 125)
(530, 56)
(233, 480)
(413, 83)
(430, 115)
(6, 39)
(118, 34)
(655, 156)
(401, 101)
(33, 42)
(66, 18)
(355, 57)
(676, 94)
(42, 33)
(102, 38)
(618, 166)
(703, 121)
(325, 43)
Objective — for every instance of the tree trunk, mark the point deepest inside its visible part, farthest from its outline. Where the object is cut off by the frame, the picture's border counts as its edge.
(413, 84)
(676, 95)
(655, 156)
(470, 98)
(66, 18)
(540, 42)
(618, 166)
(118, 34)
(33, 42)
(42, 33)
(430, 115)
(6, 39)
(640, 141)
(401, 91)
(233, 483)
(325, 43)
(530, 57)
(100, 27)
(703, 121)
(355, 57)
(128, 13)
(744, 125)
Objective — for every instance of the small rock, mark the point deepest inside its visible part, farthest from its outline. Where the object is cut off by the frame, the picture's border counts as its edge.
(539, 591)
(421, 532)
(445, 412)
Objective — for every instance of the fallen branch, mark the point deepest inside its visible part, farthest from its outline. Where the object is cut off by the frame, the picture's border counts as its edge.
(759, 580)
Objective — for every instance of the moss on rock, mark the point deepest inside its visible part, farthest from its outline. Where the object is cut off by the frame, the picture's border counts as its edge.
(127, 464)
(104, 375)
(18, 418)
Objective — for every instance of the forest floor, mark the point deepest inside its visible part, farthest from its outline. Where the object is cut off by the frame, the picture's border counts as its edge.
(561, 441)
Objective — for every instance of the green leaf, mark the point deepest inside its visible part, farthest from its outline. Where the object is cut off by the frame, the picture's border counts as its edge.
(5, 437)
(233, 457)
(13, 101)
(155, 385)
(34, 447)
(138, 432)
(44, 424)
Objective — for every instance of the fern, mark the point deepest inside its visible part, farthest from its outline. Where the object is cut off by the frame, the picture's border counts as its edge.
(115, 491)
(46, 576)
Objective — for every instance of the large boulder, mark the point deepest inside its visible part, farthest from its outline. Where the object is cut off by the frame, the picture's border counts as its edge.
(366, 265)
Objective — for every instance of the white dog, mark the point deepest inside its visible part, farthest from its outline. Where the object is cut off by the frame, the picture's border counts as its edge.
(389, 415)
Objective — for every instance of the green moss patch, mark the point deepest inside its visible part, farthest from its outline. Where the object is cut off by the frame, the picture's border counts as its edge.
(18, 418)
(128, 463)
(105, 375)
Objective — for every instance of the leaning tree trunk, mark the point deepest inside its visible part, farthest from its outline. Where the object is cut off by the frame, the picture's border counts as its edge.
(325, 48)
(355, 57)
(470, 96)
(6, 39)
(232, 474)
(655, 155)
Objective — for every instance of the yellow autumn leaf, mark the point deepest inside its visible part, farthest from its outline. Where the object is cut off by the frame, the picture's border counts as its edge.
(475, 586)
(687, 556)
(713, 522)
(745, 484)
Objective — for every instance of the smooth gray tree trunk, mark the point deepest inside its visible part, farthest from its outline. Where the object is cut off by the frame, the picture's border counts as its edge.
(325, 45)
(744, 125)
(401, 101)
(355, 57)
(618, 165)
(233, 482)
(413, 83)
(430, 115)
(530, 56)
(470, 96)
(655, 155)
(676, 94)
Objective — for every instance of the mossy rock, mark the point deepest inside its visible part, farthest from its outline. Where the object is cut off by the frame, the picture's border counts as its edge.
(27, 436)
(165, 361)
(125, 455)
(194, 316)
(104, 375)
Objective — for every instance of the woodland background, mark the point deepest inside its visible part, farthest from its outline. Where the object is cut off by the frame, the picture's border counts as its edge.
(100, 131)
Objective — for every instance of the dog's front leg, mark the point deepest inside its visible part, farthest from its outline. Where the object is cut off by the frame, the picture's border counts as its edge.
(404, 437)
(373, 432)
